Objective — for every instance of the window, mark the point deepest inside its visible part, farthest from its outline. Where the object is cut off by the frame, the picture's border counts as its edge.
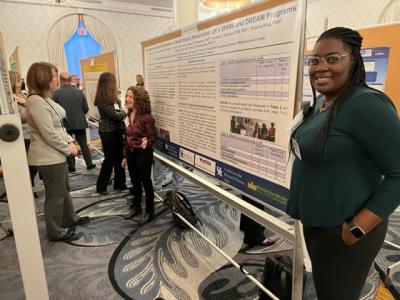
(80, 46)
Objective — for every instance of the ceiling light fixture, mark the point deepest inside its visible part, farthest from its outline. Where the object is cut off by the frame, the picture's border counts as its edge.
(225, 4)
(60, 2)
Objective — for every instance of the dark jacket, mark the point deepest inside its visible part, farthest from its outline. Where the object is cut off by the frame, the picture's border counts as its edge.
(75, 105)
(111, 119)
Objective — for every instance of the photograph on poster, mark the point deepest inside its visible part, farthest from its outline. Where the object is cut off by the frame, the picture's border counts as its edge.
(163, 134)
(255, 128)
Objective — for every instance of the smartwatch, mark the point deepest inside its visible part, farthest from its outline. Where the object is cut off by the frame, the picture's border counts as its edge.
(356, 230)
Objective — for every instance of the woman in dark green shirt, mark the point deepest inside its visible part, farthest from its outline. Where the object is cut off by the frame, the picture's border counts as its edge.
(346, 174)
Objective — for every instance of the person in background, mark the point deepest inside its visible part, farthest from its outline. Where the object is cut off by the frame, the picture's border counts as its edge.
(76, 82)
(74, 103)
(50, 144)
(253, 232)
(139, 80)
(138, 151)
(162, 172)
(20, 103)
(346, 174)
(271, 133)
(23, 88)
(111, 130)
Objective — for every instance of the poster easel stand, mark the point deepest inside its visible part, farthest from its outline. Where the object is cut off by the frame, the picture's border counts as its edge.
(286, 231)
(19, 192)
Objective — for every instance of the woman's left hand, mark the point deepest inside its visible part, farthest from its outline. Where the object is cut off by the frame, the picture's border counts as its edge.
(124, 163)
(143, 145)
(20, 100)
(347, 237)
(73, 148)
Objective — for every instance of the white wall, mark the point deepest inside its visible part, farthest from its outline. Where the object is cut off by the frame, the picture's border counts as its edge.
(27, 26)
(347, 13)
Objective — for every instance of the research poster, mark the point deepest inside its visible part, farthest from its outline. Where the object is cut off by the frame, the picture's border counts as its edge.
(91, 75)
(375, 63)
(223, 94)
(6, 96)
(15, 64)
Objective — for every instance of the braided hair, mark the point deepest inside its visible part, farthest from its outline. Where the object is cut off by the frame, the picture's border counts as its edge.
(351, 40)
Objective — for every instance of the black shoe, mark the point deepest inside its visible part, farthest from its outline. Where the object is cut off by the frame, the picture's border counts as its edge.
(150, 217)
(266, 242)
(120, 189)
(102, 192)
(82, 220)
(69, 236)
(136, 212)
(91, 167)
(71, 170)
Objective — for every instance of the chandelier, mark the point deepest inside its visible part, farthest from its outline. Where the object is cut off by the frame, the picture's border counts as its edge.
(224, 4)
(60, 2)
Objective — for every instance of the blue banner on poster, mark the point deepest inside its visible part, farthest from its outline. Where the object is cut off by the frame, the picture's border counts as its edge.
(254, 186)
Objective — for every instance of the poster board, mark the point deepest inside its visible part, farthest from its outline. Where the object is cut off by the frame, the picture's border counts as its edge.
(6, 96)
(15, 64)
(386, 36)
(91, 69)
(223, 93)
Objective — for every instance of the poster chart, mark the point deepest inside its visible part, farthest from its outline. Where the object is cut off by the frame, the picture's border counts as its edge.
(223, 93)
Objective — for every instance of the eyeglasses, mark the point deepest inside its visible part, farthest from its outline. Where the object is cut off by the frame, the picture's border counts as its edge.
(330, 60)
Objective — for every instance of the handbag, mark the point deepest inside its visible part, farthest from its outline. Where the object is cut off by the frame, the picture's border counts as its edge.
(277, 277)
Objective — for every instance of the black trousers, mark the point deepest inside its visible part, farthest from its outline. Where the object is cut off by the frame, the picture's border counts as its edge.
(113, 154)
(253, 232)
(139, 165)
(80, 137)
(340, 271)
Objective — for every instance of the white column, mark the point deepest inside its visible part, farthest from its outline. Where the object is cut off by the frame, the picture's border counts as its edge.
(185, 13)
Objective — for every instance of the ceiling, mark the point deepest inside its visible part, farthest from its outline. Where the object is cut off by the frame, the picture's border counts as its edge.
(162, 8)
(156, 3)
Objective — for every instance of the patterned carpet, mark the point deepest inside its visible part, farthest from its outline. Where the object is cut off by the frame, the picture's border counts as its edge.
(161, 260)
(117, 256)
(390, 255)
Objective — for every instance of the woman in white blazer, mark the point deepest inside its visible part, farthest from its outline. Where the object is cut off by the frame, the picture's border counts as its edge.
(50, 144)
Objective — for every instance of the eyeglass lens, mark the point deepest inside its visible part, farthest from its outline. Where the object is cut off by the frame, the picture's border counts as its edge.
(331, 59)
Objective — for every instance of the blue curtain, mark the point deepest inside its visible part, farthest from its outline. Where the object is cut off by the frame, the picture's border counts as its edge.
(79, 47)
